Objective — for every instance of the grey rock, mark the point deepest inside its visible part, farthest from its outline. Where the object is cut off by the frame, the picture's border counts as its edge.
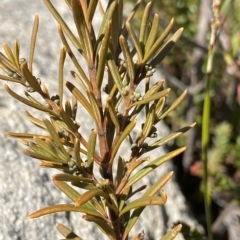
(23, 187)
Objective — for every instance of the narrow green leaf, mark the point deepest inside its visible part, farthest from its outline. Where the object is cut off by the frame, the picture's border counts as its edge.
(26, 101)
(145, 201)
(166, 48)
(83, 185)
(67, 120)
(159, 107)
(112, 207)
(63, 25)
(154, 89)
(80, 97)
(144, 24)
(23, 135)
(134, 165)
(170, 137)
(113, 114)
(42, 156)
(172, 233)
(103, 54)
(124, 135)
(76, 151)
(73, 58)
(120, 171)
(91, 9)
(107, 17)
(10, 79)
(153, 33)
(69, 3)
(91, 148)
(147, 127)
(82, 29)
(74, 107)
(68, 108)
(154, 164)
(9, 53)
(49, 148)
(155, 48)
(67, 232)
(150, 192)
(154, 97)
(133, 12)
(114, 72)
(87, 196)
(31, 98)
(66, 189)
(174, 105)
(70, 178)
(113, 198)
(8, 64)
(63, 208)
(94, 106)
(35, 121)
(136, 42)
(102, 225)
(123, 198)
(56, 166)
(33, 41)
(16, 51)
(128, 59)
(55, 137)
(30, 78)
(81, 82)
(132, 193)
(60, 73)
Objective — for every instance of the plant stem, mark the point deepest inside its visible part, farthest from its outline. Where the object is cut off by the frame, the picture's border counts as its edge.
(206, 116)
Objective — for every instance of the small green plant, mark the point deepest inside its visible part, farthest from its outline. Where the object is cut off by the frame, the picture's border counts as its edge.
(104, 200)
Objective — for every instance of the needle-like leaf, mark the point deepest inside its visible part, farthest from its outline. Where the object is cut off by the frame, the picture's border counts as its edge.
(166, 48)
(173, 105)
(60, 74)
(64, 208)
(91, 149)
(64, 26)
(27, 102)
(55, 137)
(80, 97)
(172, 233)
(85, 197)
(136, 42)
(154, 164)
(103, 226)
(33, 41)
(150, 192)
(67, 232)
(144, 24)
(128, 59)
(157, 45)
(124, 135)
(66, 189)
(145, 201)
(155, 96)
(9, 53)
(153, 33)
(102, 55)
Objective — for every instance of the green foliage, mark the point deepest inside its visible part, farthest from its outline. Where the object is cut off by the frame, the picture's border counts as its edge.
(101, 200)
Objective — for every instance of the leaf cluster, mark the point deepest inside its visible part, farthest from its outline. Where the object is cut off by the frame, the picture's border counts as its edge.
(104, 201)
